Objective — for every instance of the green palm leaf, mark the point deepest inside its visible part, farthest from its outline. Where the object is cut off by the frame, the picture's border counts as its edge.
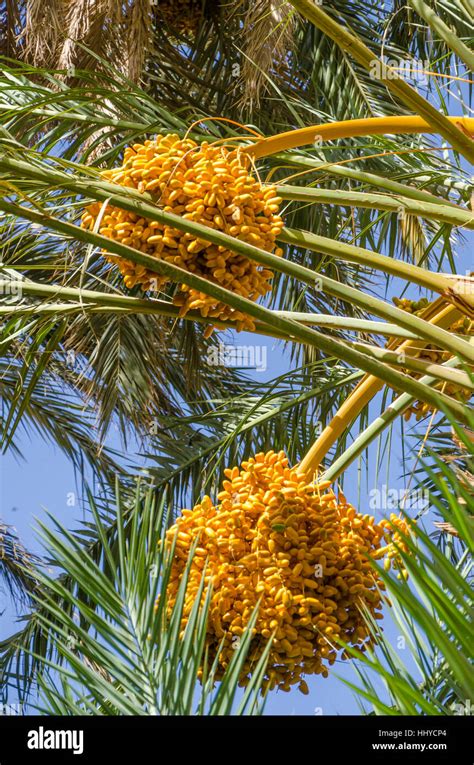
(433, 613)
(114, 651)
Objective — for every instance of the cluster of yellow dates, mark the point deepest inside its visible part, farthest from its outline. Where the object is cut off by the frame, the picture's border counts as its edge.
(204, 183)
(291, 547)
(463, 326)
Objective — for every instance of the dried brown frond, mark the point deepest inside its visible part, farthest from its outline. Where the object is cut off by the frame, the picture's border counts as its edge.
(469, 435)
(446, 528)
(86, 23)
(10, 27)
(139, 31)
(56, 34)
(44, 24)
(268, 28)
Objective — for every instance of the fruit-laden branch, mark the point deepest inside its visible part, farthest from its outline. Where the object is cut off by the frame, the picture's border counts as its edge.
(376, 427)
(330, 131)
(348, 41)
(436, 313)
(137, 203)
(414, 364)
(97, 302)
(408, 271)
(294, 330)
(371, 126)
(102, 302)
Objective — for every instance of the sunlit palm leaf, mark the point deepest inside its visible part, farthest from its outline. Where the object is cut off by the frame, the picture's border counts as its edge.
(433, 612)
(115, 651)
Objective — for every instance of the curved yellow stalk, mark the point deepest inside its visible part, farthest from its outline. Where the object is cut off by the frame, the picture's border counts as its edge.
(437, 313)
(348, 41)
(329, 131)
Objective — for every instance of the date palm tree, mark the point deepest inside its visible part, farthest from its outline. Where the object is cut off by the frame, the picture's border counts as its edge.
(374, 179)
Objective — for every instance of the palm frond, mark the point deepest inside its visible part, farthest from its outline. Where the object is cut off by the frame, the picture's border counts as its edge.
(433, 614)
(17, 566)
(114, 648)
